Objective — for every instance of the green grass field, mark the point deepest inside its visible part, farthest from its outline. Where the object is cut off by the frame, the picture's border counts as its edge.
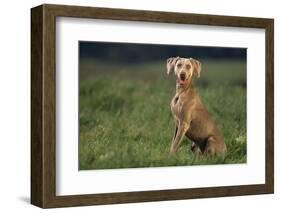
(125, 118)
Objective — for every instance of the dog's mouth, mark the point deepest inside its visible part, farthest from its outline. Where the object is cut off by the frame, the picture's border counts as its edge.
(182, 82)
(182, 79)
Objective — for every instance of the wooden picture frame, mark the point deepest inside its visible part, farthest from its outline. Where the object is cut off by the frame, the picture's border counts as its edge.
(43, 105)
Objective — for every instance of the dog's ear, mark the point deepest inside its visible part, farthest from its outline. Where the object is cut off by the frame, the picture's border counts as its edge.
(196, 66)
(171, 63)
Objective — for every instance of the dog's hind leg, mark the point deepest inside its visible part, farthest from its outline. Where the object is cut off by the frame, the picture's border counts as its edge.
(214, 147)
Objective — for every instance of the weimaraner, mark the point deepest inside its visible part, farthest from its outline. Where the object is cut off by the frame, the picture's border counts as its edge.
(191, 117)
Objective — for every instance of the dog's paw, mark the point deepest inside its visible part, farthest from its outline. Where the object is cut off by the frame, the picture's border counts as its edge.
(193, 147)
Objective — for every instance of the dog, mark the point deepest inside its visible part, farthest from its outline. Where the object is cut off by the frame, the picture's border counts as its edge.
(191, 117)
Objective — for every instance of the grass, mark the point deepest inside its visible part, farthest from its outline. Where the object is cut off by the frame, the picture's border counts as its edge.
(125, 118)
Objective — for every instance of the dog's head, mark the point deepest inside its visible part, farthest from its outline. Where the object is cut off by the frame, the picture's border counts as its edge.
(183, 68)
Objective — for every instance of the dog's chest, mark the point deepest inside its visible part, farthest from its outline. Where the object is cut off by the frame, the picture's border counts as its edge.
(176, 104)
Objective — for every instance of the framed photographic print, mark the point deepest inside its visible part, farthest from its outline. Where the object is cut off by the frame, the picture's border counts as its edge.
(136, 106)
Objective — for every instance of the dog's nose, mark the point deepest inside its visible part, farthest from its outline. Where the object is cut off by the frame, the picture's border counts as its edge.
(182, 76)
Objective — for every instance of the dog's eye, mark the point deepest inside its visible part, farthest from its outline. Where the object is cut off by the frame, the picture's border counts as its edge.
(179, 65)
(188, 66)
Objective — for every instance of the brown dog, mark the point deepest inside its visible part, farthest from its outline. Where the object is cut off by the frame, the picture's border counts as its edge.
(191, 117)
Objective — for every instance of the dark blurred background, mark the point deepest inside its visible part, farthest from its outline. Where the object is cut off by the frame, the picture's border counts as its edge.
(139, 53)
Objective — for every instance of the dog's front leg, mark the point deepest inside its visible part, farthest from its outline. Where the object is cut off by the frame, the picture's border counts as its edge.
(175, 134)
(181, 130)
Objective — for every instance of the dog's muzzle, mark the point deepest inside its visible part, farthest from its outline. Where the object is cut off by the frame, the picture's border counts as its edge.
(182, 76)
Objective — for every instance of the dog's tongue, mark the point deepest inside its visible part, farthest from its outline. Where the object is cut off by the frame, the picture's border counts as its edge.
(182, 81)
